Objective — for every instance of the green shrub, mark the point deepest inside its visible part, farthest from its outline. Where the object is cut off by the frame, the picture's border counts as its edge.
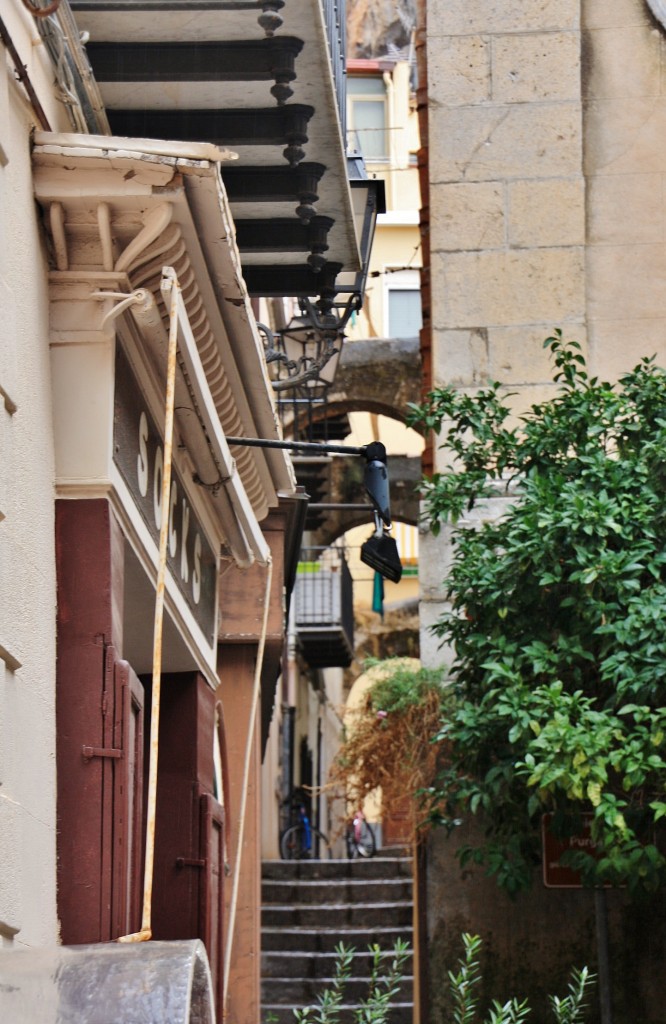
(385, 978)
(556, 620)
(465, 984)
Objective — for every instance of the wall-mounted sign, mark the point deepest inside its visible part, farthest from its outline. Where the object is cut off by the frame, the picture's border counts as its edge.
(138, 453)
(555, 874)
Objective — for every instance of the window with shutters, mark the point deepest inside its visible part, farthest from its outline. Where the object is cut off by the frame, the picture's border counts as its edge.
(127, 801)
(190, 837)
(366, 111)
(211, 919)
(403, 303)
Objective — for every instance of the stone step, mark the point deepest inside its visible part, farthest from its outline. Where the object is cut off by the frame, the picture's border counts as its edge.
(299, 964)
(309, 907)
(273, 1013)
(303, 991)
(338, 915)
(319, 940)
(373, 867)
(336, 890)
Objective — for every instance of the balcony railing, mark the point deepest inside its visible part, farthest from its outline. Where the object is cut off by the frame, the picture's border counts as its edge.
(324, 611)
(335, 15)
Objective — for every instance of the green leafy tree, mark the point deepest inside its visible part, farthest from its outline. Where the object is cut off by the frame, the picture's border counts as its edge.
(558, 620)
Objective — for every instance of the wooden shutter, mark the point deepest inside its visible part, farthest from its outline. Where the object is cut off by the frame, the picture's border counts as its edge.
(128, 728)
(211, 920)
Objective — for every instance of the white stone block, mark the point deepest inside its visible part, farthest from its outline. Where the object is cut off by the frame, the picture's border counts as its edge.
(607, 14)
(547, 212)
(502, 289)
(468, 215)
(490, 143)
(623, 62)
(459, 71)
(625, 208)
(625, 136)
(626, 282)
(460, 358)
(463, 17)
(617, 346)
(517, 356)
(536, 67)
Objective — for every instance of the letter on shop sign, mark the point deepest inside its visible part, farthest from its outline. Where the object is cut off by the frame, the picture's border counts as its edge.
(182, 546)
(142, 457)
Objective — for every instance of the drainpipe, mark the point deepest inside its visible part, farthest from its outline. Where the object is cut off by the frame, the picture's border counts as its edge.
(390, 110)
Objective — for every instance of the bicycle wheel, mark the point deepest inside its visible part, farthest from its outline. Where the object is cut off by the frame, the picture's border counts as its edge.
(292, 844)
(363, 844)
(321, 848)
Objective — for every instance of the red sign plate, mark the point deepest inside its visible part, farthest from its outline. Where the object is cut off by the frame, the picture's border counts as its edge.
(555, 874)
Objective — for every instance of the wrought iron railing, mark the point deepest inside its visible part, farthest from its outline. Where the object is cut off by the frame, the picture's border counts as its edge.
(324, 607)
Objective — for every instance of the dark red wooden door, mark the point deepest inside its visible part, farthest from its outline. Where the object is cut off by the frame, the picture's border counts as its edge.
(211, 920)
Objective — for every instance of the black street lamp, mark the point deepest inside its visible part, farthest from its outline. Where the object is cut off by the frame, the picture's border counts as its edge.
(380, 550)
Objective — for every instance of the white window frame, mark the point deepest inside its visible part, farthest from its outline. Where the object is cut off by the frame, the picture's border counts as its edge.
(398, 281)
(370, 96)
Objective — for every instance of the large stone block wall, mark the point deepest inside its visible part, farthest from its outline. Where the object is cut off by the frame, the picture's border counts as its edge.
(624, 82)
(547, 135)
(507, 193)
(547, 124)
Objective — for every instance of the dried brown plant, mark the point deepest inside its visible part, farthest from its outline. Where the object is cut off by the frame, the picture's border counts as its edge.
(388, 743)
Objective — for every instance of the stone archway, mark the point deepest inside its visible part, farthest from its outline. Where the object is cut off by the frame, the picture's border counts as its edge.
(381, 376)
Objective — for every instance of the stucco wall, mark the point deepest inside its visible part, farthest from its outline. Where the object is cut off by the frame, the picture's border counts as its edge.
(27, 565)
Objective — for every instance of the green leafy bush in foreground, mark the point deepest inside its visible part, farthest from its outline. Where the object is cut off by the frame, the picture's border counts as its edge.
(385, 978)
(464, 983)
(466, 980)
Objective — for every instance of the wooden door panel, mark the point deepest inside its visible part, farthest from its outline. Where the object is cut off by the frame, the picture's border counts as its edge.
(212, 888)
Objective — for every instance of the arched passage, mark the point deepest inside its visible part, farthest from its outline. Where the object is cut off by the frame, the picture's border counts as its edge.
(381, 376)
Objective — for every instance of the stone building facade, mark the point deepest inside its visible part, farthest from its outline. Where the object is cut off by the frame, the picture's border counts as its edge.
(543, 171)
(144, 546)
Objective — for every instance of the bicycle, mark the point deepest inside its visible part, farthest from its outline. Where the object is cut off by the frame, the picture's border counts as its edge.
(359, 837)
(303, 841)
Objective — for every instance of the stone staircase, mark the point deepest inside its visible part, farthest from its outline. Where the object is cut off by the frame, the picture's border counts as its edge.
(308, 907)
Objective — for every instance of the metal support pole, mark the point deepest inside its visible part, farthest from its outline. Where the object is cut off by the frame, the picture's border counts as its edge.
(298, 446)
(601, 917)
(151, 800)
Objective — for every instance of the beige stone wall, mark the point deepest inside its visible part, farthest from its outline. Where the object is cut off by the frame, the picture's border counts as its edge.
(547, 154)
(507, 206)
(624, 86)
(506, 187)
(547, 125)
